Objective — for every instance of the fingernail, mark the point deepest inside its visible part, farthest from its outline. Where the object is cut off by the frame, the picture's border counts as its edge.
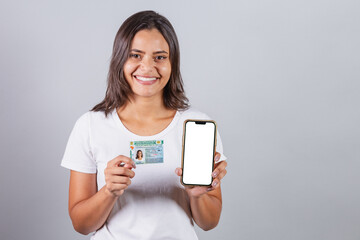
(209, 189)
(214, 184)
(133, 164)
(214, 174)
(217, 158)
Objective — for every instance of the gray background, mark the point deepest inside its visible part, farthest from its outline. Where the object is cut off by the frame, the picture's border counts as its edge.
(280, 77)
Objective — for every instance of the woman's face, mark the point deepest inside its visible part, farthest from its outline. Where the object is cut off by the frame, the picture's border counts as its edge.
(139, 154)
(148, 67)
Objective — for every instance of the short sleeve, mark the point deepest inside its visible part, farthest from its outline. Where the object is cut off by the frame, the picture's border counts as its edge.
(219, 147)
(78, 155)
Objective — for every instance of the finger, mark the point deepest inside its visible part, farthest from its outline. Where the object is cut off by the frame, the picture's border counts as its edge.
(120, 180)
(120, 160)
(217, 156)
(178, 171)
(126, 162)
(120, 171)
(219, 168)
(196, 190)
(215, 184)
(221, 174)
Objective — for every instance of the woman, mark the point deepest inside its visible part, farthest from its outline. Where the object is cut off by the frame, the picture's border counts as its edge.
(139, 155)
(144, 102)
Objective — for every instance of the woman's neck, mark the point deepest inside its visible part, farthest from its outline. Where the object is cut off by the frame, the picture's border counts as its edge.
(144, 108)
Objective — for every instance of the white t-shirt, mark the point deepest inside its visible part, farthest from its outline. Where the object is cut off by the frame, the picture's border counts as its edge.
(155, 206)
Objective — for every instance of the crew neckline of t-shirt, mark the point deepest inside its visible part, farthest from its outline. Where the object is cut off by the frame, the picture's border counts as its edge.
(133, 135)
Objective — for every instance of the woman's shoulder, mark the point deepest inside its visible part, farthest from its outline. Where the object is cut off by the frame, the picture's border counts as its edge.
(93, 117)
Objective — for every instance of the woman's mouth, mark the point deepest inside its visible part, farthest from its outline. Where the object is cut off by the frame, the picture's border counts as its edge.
(145, 80)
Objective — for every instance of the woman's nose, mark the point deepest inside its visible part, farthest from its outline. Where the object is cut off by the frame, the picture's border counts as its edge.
(146, 63)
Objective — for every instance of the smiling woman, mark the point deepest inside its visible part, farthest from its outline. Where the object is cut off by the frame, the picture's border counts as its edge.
(139, 125)
(126, 54)
(148, 68)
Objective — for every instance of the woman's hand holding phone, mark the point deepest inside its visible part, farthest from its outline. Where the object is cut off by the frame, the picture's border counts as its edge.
(218, 173)
(117, 175)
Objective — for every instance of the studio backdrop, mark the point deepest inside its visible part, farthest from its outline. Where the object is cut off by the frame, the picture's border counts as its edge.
(280, 78)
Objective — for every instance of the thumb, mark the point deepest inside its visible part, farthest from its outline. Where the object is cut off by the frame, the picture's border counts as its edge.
(178, 171)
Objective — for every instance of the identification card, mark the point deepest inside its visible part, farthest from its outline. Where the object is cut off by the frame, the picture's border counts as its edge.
(143, 152)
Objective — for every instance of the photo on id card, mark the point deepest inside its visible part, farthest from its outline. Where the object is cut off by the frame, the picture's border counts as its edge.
(144, 152)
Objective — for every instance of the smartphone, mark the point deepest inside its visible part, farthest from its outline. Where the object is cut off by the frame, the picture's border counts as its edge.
(198, 150)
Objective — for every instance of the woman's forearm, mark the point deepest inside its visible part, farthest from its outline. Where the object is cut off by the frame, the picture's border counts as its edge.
(206, 210)
(89, 215)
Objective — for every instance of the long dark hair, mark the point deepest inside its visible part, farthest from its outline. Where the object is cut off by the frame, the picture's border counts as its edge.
(118, 90)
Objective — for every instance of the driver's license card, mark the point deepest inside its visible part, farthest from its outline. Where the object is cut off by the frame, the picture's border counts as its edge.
(143, 152)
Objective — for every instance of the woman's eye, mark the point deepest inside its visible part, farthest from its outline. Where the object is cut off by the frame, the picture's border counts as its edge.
(160, 57)
(134, 55)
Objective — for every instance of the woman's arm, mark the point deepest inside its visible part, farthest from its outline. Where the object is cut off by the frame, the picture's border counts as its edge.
(89, 208)
(206, 203)
(206, 209)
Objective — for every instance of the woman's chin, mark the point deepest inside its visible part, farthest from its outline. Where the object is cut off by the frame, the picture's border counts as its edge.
(147, 93)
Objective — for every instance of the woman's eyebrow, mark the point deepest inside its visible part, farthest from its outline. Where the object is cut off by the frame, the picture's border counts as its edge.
(157, 52)
(137, 50)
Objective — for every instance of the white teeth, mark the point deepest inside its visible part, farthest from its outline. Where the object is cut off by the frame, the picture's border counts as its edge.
(145, 79)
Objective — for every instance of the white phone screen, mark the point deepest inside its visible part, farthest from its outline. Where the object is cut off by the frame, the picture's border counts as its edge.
(198, 155)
